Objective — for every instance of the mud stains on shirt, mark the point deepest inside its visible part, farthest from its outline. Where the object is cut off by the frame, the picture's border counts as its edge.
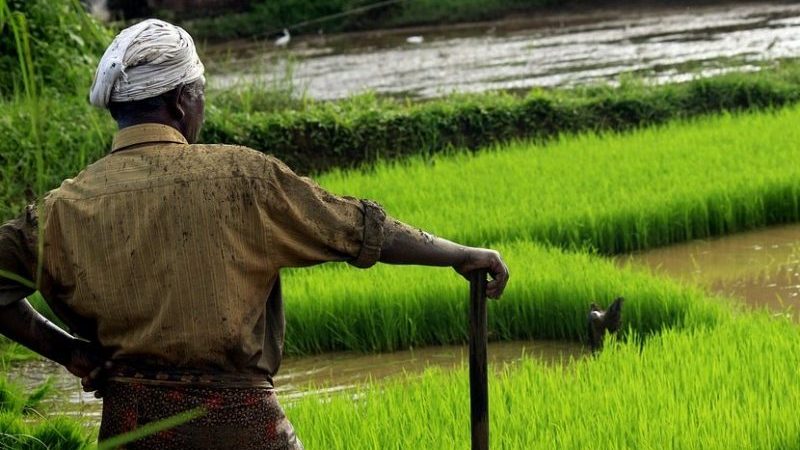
(170, 253)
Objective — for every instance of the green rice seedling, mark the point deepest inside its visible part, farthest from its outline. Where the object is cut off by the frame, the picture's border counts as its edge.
(12, 396)
(732, 386)
(389, 308)
(22, 427)
(12, 430)
(12, 352)
(15, 399)
(59, 433)
(53, 434)
(34, 400)
(614, 193)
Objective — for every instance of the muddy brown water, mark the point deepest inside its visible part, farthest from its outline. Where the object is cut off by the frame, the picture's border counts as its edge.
(314, 375)
(761, 268)
(660, 44)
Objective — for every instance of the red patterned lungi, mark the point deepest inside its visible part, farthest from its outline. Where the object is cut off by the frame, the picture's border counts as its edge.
(240, 418)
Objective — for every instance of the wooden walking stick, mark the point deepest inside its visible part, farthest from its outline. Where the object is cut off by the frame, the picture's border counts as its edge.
(478, 366)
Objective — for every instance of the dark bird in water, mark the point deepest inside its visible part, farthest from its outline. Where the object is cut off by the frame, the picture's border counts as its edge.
(599, 321)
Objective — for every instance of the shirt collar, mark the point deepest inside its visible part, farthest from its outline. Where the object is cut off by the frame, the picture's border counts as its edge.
(146, 133)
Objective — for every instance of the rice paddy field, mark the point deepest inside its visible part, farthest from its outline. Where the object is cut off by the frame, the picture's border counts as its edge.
(391, 308)
(612, 193)
(588, 194)
(690, 371)
(730, 386)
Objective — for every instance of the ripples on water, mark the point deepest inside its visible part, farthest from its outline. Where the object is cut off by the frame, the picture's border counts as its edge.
(662, 45)
(760, 267)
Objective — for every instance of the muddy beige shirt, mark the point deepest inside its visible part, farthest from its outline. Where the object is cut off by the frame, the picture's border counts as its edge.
(169, 253)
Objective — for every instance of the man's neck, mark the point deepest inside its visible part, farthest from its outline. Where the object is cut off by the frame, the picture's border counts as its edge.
(148, 118)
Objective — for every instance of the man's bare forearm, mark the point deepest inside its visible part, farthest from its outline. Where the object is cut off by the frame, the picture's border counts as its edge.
(22, 324)
(404, 244)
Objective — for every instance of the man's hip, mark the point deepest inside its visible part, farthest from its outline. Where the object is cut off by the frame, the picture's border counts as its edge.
(233, 417)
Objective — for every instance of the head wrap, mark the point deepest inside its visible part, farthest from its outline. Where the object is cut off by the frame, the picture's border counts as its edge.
(145, 60)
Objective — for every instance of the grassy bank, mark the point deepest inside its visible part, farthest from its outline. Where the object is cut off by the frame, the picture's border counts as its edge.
(390, 308)
(732, 386)
(612, 192)
(321, 135)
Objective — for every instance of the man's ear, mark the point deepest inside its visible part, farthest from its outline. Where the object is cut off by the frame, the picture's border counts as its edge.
(174, 100)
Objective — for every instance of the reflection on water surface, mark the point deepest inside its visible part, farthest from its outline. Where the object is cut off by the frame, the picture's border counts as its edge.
(664, 44)
(760, 267)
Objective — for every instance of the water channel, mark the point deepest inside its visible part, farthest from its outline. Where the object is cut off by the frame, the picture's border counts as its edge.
(315, 375)
(661, 44)
(760, 268)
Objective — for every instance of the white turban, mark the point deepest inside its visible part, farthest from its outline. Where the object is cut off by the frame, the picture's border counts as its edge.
(145, 60)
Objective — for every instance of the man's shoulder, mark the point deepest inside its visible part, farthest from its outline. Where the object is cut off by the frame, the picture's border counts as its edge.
(240, 152)
(249, 161)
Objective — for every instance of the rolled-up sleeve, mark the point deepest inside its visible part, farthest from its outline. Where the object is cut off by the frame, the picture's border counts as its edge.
(16, 259)
(309, 225)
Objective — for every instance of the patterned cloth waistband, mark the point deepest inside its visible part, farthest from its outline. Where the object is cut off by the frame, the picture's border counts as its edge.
(154, 375)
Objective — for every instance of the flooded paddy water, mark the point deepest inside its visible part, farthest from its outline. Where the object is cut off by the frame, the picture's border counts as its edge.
(761, 267)
(661, 44)
(314, 375)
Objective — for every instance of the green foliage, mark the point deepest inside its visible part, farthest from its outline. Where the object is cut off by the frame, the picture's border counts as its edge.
(277, 93)
(611, 192)
(19, 430)
(732, 386)
(38, 159)
(64, 43)
(11, 352)
(36, 397)
(12, 430)
(53, 434)
(321, 136)
(614, 193)
(434, 12)
(14, 399)
(263, 16)
(59, 433)
(391, 308)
